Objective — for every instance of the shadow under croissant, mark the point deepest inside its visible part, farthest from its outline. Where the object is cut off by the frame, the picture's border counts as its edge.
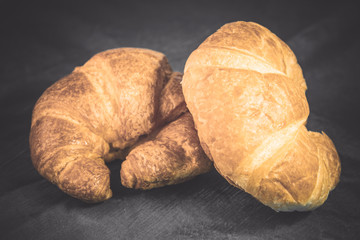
(207, 200)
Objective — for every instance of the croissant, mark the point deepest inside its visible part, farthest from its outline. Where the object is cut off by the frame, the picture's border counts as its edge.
(246, 93)
(100, 111)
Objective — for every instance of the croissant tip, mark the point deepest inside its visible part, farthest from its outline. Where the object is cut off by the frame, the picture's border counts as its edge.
(108, 194)
(128, 178)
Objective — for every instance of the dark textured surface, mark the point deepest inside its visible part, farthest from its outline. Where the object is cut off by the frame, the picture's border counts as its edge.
(41, 42)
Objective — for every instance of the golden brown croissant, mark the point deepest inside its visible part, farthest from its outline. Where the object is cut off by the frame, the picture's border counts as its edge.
(246, 93)
(100, 110)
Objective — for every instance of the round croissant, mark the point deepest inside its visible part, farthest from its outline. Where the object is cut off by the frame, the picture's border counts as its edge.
(246, 93)
(98, 112)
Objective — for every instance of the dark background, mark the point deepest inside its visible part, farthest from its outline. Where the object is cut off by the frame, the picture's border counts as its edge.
(43, 41)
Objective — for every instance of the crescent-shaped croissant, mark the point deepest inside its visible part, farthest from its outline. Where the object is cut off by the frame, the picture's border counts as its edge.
(99, 111)
(246, 93)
